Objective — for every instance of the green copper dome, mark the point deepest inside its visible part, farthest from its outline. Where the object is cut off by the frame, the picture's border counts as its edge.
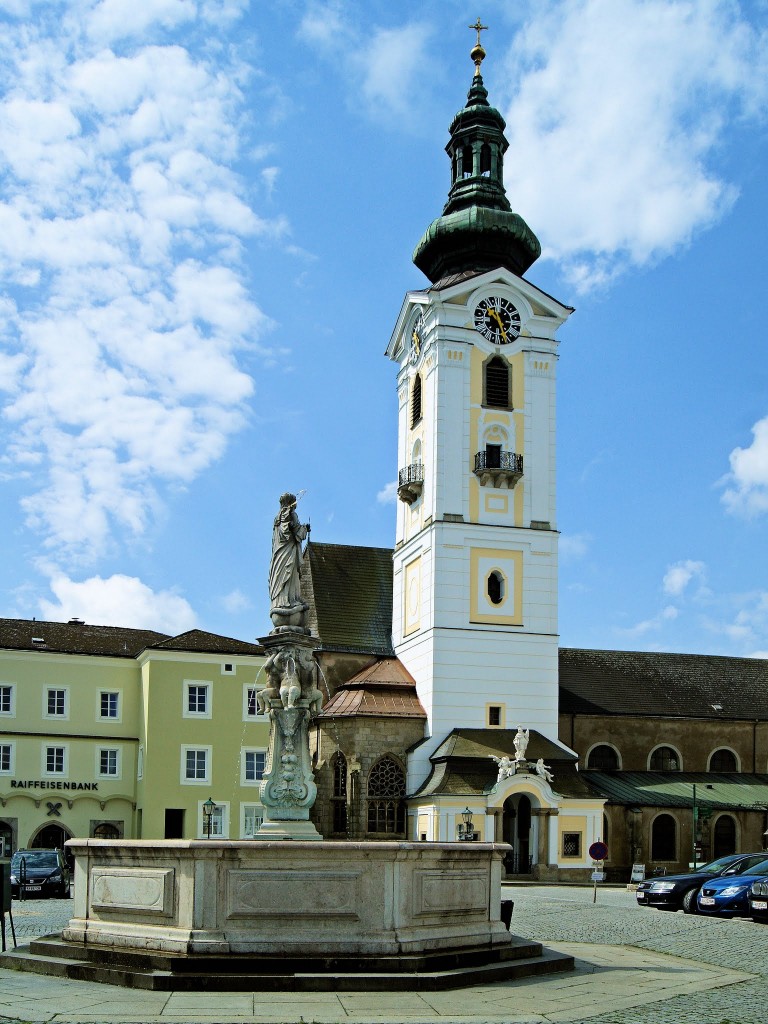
(478, 230)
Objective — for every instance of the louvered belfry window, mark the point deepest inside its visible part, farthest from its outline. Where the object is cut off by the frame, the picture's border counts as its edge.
(497, 383)
(416, 400)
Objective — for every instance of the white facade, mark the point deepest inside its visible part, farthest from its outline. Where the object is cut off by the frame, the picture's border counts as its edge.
(475, 564)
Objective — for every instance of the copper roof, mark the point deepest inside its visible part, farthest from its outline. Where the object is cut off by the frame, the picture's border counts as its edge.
(383, 690)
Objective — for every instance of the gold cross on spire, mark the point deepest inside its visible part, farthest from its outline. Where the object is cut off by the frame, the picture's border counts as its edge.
(477, 52)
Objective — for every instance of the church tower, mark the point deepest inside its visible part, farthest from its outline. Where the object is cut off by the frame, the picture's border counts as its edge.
(475, 563)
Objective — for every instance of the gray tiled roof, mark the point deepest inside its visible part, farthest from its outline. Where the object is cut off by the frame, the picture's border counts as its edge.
(675, 789)
(668, 685)
(207, 643)
(76, 638)
(349, 590)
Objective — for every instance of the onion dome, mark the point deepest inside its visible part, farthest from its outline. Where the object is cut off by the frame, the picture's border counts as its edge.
(478, 230)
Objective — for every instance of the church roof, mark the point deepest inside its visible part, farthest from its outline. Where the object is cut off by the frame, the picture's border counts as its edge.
(463, 764)
(716, 791)
(667, 685)
(349, 590)
(76, 637)
(385, 689)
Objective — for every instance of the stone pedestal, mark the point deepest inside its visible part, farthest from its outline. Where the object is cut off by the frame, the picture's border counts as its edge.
(288, 789)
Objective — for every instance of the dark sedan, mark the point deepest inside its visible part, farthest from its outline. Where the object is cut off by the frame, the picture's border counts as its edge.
(676, 892)
(758, 900)
(39, 873)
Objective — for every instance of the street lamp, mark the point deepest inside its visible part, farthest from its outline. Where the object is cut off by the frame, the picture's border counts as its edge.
(466, 830)
(209, 809)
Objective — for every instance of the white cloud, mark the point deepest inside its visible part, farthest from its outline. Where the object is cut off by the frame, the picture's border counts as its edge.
(678, 576)
(236, 601)
(118, 601)
(391, 63)
(747, 629)
(121, 229)
(667, 614)
(618, 108)
(748, 491)
(573, 546)
(388, 494)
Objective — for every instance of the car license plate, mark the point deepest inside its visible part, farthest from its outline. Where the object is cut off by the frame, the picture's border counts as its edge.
(640, 895)
(707, 901)
(760, 904)
(33, 888)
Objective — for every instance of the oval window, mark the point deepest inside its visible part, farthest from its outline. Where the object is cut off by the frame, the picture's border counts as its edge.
(495, 587)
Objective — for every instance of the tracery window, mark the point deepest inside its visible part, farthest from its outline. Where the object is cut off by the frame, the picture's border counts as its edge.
(386, 790)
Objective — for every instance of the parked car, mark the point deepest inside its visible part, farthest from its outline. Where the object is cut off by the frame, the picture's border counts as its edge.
(729, 896)
(676, 892)
(758, 900)
(41, 872)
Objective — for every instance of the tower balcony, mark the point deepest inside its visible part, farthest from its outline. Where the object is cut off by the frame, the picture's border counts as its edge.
(496, 468)
(410, 482)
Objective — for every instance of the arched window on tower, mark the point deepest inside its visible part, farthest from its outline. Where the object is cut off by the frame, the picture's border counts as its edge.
(497, 381)
(723, 761)
(485, 160)
(386, 790)
(603, 758)
(664, 838)
(665, 759)
(416, 400)
(466, 162)
(339, 798)
(454, 166)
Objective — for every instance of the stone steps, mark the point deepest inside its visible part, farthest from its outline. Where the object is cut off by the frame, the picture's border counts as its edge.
(177, 973)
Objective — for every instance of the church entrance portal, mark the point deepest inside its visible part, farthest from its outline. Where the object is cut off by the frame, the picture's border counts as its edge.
(519, 833)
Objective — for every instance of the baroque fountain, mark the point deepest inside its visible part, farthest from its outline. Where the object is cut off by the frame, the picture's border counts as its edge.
(287, 910)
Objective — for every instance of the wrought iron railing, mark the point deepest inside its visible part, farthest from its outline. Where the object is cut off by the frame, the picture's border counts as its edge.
(498, 459)
(413, 474)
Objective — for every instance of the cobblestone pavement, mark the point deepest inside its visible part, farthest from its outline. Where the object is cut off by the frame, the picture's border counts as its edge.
(634, 966)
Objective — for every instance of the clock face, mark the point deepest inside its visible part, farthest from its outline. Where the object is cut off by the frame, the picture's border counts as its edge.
(497, 320)
(417, 337)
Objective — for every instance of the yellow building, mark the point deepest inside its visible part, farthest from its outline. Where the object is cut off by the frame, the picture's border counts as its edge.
(125, 733)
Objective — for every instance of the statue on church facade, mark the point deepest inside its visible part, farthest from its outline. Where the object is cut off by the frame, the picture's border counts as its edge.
(287, 609)
(543, 770)
(507, 767)
(521, 743)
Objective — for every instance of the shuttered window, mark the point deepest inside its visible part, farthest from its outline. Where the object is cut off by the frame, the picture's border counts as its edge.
(497, 383)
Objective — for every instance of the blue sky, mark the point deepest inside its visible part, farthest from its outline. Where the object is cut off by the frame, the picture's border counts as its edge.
(207, 214)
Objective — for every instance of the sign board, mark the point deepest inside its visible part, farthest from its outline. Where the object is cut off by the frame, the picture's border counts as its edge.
(598, 851)
(598, 876)
(638, 873)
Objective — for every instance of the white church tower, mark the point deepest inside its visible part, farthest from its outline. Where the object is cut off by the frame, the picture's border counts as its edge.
(475, 563)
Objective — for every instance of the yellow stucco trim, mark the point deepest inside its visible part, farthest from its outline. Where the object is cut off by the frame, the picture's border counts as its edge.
(482, 561)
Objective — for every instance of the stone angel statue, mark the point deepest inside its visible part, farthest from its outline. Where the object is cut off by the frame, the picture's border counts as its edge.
(543, 770)
(521, 743)
(507, 767)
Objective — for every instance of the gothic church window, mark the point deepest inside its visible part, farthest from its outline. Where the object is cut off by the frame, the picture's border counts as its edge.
(386, 790)
(339, 798)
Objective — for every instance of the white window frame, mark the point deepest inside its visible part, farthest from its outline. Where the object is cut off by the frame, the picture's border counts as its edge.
(251, 750)
(12, 758)
(208, 685)
(222, 812)
(247, 687)
(118, 773)
(11, 712)
(183, 768)
(44, 760)
(56, 717)
(258, 812)
(228, 668)
(109, 718)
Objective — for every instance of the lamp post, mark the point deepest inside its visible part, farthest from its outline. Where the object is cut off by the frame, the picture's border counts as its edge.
(209, 808)
(695, 825)
(466, 830)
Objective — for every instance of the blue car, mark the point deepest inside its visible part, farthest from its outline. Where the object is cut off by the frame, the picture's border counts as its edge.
(729, 896)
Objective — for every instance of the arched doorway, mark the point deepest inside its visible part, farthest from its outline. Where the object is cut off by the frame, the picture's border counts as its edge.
(724, 836)
(52, 837)
(519, 830)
